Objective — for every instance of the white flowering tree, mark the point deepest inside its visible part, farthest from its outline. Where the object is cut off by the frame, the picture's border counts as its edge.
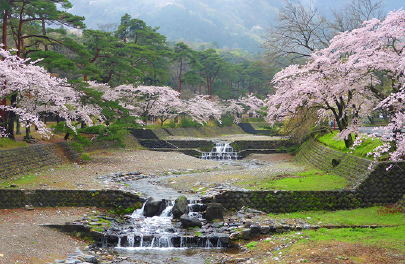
(36, 91)
(339, 81)
(201, 108)
(143, 101)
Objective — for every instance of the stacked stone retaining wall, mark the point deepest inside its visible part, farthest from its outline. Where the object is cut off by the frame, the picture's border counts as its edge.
(380, 187)
(199, 132)
(281, 144)
(351, 167)
(27, 159)
(287, 201)
(10, 198)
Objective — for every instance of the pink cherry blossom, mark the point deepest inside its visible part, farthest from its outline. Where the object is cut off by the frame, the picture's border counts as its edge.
(37, 92)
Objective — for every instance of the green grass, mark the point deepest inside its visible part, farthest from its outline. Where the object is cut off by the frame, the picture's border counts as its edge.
(252, 244)
(21, 180)
(312, 180)
(6, 143)
(390, 237)
(363, 216)
(367, 146)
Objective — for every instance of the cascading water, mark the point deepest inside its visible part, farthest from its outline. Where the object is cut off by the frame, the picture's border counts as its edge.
(160, 232)
(221, 151)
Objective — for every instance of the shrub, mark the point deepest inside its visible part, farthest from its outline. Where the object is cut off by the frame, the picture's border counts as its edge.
(188, 122)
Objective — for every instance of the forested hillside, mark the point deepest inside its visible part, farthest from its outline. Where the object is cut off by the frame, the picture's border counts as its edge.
(232, 24)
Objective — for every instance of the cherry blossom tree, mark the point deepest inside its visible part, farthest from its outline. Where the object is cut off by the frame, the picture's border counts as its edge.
(37, 92)
(339, 81)
(249, 104)
(144, 101)
(234, 108)
(201, 108)
(379, 46)
(253, 104)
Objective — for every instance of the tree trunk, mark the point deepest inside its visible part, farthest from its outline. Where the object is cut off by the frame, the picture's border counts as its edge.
(92, 61)
(3, 113)
(18, 128)
(19, 33)
(27, 134)
(11, 118)
(44, 32)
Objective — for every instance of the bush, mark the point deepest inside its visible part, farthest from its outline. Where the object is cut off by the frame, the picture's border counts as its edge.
(188, 122)
(171, 124)
(227, 121)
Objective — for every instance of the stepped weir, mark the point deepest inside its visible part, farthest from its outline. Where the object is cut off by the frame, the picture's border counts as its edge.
(221, 151)
(162, 232)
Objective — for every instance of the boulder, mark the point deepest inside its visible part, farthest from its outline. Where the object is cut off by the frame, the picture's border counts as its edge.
(180, 207)
(187, 221)
(198, 207)
(214, 211)
(153, 207)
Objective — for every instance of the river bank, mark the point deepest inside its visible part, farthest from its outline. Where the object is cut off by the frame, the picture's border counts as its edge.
(186, 173)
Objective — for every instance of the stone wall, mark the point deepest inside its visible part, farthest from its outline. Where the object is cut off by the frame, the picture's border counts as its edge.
(281, 144)
(10, 198)
(27, 159)
(380, 187)
(351, 167)
(204, 145)
(199, 132)
(287, 201)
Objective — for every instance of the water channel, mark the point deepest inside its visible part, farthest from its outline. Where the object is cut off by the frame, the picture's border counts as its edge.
(160, 238)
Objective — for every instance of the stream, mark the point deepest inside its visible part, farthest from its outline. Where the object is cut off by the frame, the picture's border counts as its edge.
(162, 239)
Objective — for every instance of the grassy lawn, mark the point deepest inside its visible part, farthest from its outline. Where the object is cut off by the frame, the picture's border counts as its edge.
(367, 146)
(363, 216)
(6, 143)
(387, 238)
(312, 180)
(340, 245)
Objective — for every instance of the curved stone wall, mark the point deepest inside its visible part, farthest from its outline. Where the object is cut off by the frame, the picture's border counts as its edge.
(319, 156)
(370, 187)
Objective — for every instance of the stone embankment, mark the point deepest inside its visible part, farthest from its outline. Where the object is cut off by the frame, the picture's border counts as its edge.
(10, 198)
(377, 186)
(353, 168)
(26, 159)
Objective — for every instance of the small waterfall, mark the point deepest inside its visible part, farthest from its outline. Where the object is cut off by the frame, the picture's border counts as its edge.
(160, 232)
(221, 151)
(131, 240)
(139, 212)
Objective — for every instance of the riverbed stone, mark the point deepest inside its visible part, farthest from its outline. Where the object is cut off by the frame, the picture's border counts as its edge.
(180, 207)
(214, 211)
(254, 229)
(188, 221)
(153, 207)
(264, 229)
(246, 233)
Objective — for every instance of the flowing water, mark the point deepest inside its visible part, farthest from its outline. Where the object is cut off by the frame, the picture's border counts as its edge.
(141, 232)
(221, 151)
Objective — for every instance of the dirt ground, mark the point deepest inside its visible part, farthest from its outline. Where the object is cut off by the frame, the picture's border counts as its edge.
(25, 240)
